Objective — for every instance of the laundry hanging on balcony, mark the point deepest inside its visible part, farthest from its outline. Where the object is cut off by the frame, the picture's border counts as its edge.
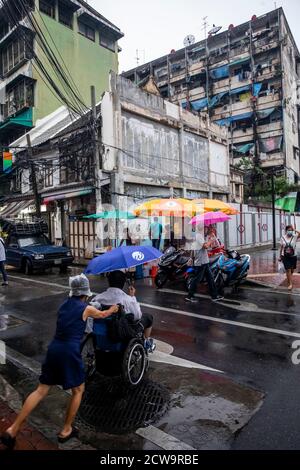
(257, 89)
(271, 144)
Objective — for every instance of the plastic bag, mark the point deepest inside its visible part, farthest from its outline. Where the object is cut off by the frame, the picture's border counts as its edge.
(281, 268)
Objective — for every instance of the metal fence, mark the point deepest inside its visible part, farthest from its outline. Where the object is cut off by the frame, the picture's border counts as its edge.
(254, 227)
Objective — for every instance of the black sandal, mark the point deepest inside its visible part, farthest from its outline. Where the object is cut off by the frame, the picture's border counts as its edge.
(74, 433)
(8, 441)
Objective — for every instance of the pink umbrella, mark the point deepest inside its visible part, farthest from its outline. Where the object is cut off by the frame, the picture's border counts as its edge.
(210, 218)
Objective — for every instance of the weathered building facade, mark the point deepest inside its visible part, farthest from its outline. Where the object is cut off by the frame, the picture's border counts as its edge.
(247, 79)
(148, 147)
(83, 42)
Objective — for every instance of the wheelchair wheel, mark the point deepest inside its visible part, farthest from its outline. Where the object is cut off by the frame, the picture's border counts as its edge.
(89, 356)
(134, 363)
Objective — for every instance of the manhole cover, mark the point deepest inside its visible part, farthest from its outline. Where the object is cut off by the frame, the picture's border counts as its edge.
(109, 407)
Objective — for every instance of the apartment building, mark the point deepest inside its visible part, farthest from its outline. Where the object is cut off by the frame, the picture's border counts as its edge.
(84, 43)
(247, 78)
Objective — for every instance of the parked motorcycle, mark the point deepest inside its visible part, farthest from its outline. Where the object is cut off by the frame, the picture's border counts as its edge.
(231, 270)
(172, 267)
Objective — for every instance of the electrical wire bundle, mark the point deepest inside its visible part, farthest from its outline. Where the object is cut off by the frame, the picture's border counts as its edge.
(63, 86)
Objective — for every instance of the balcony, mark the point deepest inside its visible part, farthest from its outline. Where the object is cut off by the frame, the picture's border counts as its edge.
(272, 159)
(268, 101)
(243, 135)
(199, 67)
(272, 129)
(19, 121)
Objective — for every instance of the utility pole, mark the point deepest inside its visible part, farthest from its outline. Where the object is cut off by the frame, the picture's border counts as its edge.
(97, 161)
(273, 211)
(33, 178)
(98, 164)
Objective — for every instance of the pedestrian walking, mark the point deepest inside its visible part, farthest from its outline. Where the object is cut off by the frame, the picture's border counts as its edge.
(2, 262)
(288, 253)
(202, 270)
(155, 233)
(63, 365)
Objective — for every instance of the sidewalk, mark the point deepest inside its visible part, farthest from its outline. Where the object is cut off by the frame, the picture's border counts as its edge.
(29, 438)
(263, 270)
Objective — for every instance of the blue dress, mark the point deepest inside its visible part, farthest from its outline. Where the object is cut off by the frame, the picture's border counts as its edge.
(63, 364)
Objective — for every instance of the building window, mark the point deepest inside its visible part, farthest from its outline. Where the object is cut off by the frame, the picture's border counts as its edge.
(12, 55)
(65, 15)
(48, 7)
(108, 42)
(86, 31)
(48, 177)
(17, 98)
(70, 171)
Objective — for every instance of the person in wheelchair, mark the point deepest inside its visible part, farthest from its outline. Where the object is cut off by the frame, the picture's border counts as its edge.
(115, 295)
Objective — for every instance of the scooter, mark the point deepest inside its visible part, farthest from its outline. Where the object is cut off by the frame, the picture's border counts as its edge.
(231, 270)
(172, 267)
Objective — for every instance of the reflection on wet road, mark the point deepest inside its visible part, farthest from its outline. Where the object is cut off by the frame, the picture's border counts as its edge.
(249, 337)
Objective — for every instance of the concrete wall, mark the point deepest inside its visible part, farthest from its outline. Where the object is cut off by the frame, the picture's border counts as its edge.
(153, 142)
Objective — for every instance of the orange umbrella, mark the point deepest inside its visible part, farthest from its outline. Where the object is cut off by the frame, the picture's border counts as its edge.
(168, 207)
(213, 205)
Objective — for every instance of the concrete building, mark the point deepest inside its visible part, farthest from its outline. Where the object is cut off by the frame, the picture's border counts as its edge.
(247, 79)
(84, 43)
(149, 148)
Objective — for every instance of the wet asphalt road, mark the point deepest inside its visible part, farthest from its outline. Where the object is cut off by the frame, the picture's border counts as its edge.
(249, 338)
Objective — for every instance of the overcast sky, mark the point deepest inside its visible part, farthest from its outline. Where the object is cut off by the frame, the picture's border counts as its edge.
(155, 27)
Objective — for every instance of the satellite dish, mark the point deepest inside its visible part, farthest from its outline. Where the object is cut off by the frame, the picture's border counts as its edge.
(189, 40)
(215, 30)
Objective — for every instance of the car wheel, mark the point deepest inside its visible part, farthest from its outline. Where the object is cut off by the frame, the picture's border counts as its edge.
(28, 269)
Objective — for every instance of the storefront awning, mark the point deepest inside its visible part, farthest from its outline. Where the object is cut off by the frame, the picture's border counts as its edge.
(66, 195)
(14, 209)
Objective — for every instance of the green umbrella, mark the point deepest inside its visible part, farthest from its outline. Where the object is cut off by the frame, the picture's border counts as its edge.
(288, 203)
(111, 215)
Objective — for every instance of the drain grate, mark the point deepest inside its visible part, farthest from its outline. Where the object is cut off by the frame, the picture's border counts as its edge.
(109, 407)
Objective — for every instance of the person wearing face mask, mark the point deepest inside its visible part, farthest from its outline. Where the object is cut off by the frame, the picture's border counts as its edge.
(288, 253)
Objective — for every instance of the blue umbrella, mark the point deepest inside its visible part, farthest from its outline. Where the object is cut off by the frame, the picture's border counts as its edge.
(123, 257)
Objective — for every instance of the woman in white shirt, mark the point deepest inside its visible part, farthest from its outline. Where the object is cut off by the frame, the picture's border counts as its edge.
(288, 253)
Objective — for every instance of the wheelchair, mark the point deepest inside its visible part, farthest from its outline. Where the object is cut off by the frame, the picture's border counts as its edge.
(127, 360)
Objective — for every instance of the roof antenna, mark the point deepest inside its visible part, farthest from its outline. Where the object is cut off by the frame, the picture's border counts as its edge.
(137, 58)
(205, 26)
